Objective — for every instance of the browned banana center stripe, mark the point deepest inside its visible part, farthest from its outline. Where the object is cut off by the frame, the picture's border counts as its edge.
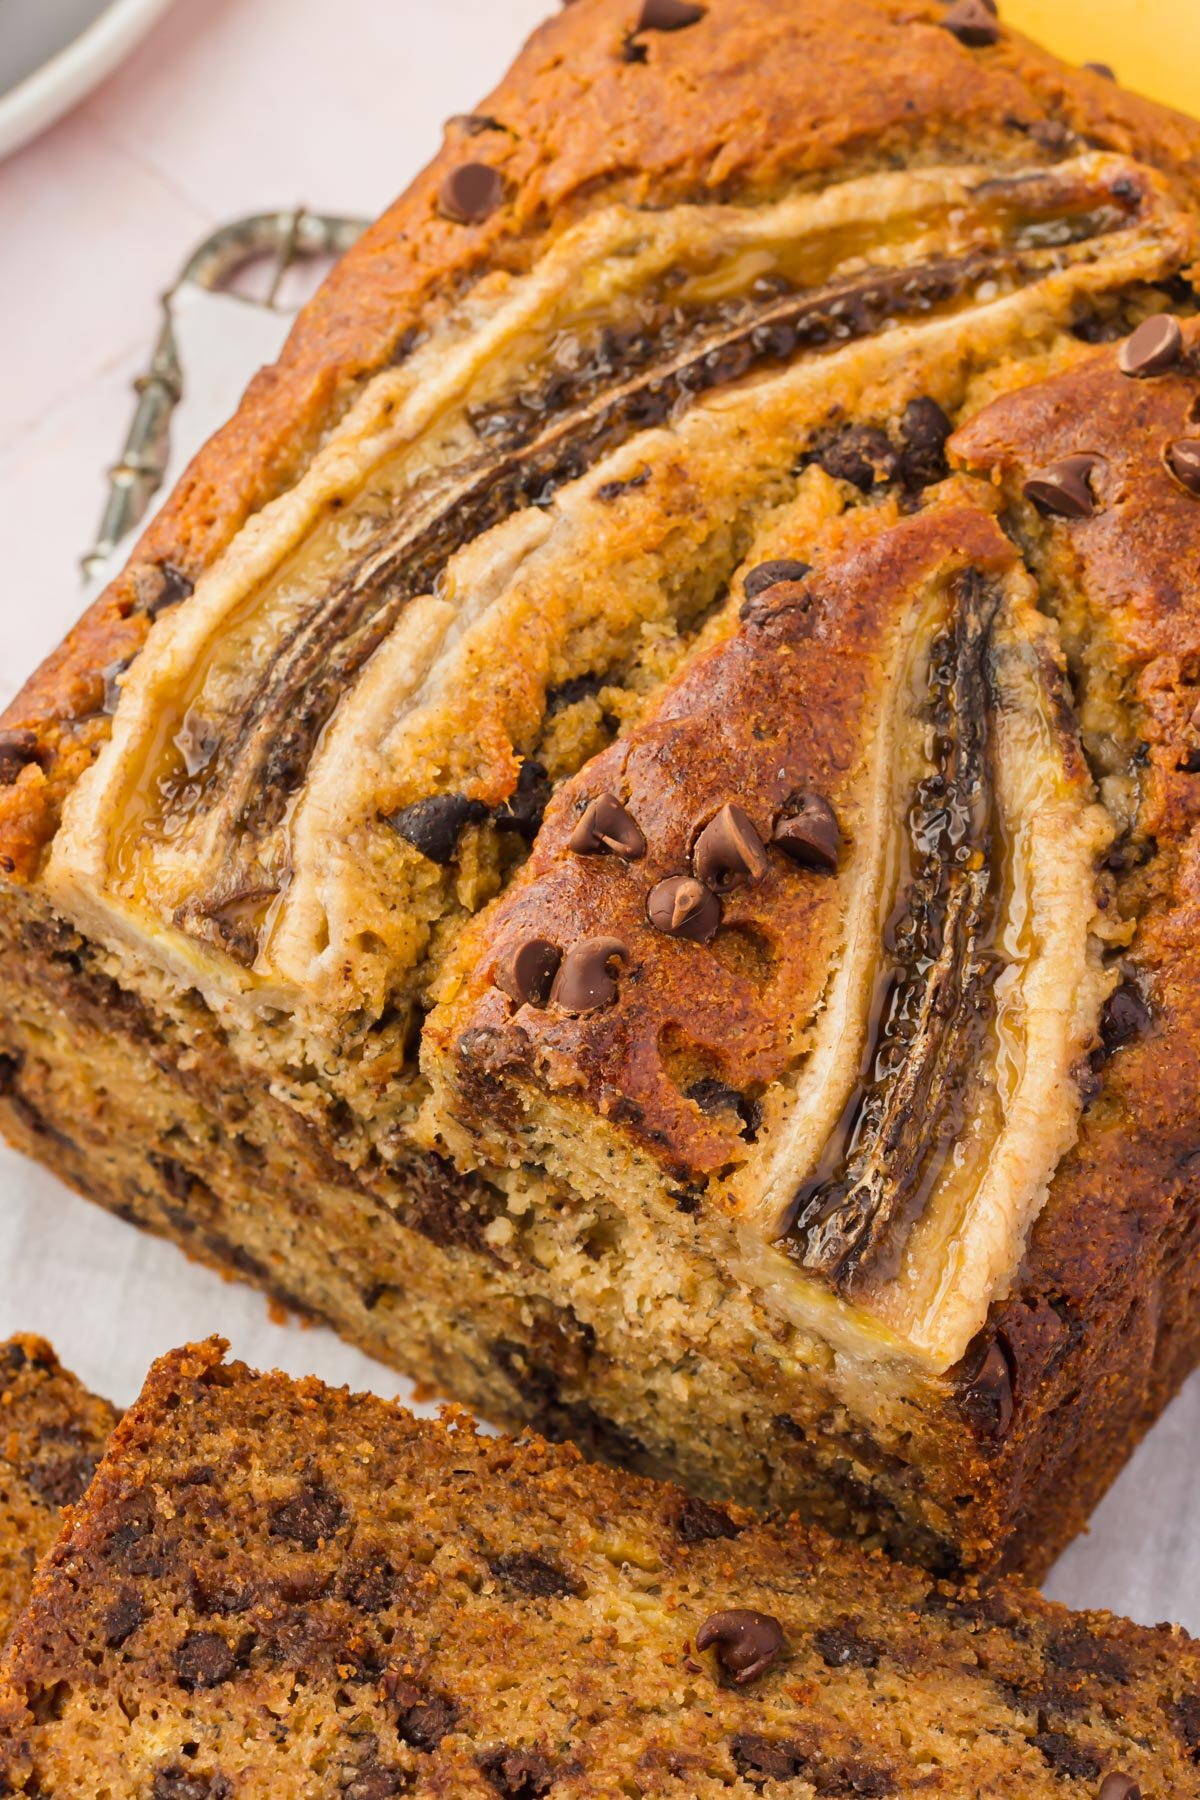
(851, 1221)
(633, 381)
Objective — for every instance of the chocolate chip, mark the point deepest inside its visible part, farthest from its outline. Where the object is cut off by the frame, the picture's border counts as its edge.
(533, 1575)
(1067, 1758)
(518, 1774)
(924, 430)
(434, 826)
(762, 1759)
(377, 1783)
(526, 974)
(160, 586)
(584, 983)
(861, 455)
(123, 1618)
(1126, 1016)
(700, 1523)
(607, 829)
(17, 749)
(204, 1660)
(423, 1718)
(766, 575)
(810, 835)
(310, 1518)
(1117, 1786)
(1063, 490)
(471, 193)
(973, 23)
(729, 846)
(1183, 460)
(747, 1643)
(842, 1647)
(987, 1401)
(1154, 347)
(668, 15)
(683, 907)
(1104, 70)
(176, 1783)
(524, 811)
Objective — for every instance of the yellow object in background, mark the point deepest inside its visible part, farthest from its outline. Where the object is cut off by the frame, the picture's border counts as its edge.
(1153, 45)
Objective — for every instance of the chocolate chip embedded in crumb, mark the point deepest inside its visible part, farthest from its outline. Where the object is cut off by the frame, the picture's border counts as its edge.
(810, 835)
(728, 847)
(518, 1774)
(766, 575)
(608, 829)
(533, 1576)
(525, 809)
(701, 1523)
(974, 23)
(123, 1618)
(526, 974)
(1103, 69)
(434, 826)
(987, 1401)
(471, 193)
(683, 907)
(17, 750)
(668, 15)
(1154, 347)
(1064, 490)
(204, 1660)
(423, 1718)
(585, 982)
(746, 1643)
(924, 430)
(862, 455)
(310, 1518)
(176, 1783)
(1126, 1016)
(1183, 460)
(377, 1783)
(1117, 1786)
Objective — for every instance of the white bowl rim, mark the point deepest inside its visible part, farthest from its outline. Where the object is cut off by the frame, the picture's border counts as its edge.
(78, 67)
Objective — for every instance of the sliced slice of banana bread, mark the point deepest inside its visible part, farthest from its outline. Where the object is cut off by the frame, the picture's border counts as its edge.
(275, 1588)
(52, 1435)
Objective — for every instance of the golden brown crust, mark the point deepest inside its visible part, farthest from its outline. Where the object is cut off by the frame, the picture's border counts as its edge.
(757, 95)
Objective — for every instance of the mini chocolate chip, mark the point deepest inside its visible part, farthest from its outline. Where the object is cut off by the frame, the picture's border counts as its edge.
(204, 1660)
(1154, 347)
(842, 1647)
(17, 749)
(1063, 490)
(176, 1783)
(584, 983)
(987, 1401)
(423, 1718)
(668, 15)
(973, 23)
(607, 829)
(377, 1783)
(700, 1523)
(434, 826)
(766, 575)
(1076, 1762)
(747, 1643)
(729, 846)
(683, 907)
(1119, 1787)
(1183, 460)
(862, 455)
(471, 193)
(526, 974)
(123, 1618)
(1126, 1016)
(533, 1575)
(810, 836)
(1105, 70)
(771, 1759)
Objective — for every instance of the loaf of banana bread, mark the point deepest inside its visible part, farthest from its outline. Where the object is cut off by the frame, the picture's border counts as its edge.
(628, 836)
(274, 1588)
(52, 1435)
